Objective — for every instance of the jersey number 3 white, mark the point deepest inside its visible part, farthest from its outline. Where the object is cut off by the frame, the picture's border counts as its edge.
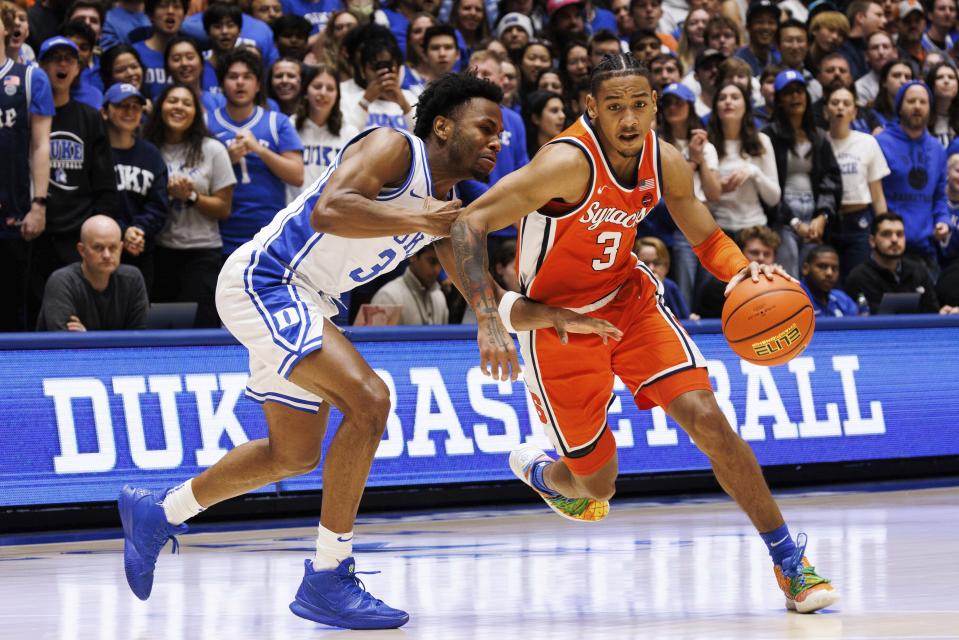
(609, 240)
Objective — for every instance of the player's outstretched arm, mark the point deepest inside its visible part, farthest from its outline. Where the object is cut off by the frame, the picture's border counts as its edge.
(348, 207)
(527, 315)
(715, 250)
(558, 171)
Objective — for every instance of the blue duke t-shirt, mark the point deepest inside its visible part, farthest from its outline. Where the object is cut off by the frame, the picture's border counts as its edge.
(154, 69)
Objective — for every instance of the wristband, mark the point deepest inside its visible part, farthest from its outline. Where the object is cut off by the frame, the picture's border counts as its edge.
(506, 308)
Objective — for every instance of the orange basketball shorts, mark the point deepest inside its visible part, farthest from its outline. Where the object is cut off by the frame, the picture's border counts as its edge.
(572, 384)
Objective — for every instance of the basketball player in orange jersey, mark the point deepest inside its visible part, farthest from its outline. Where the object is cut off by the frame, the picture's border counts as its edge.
(588, 189)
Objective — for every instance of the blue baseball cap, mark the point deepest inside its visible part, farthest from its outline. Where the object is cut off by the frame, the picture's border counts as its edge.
(57, 41)
(120, 91)
(786, 78)
(680, 91)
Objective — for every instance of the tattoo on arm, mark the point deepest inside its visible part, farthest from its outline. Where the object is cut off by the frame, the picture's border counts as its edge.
(469, 250)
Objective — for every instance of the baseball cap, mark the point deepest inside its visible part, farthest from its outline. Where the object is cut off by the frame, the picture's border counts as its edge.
(708, 55)
(515, 19)
(908, 6)
(786, 78)
(818, 6)
(120, 91)
(55, 42)
(761, 6)
(555, 5)
(679, 90)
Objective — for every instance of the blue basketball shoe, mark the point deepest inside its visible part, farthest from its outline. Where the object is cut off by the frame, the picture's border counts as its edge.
(338, 598)
(145, 531)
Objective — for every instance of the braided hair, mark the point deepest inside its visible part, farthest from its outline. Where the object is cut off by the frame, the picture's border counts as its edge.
(617, 65)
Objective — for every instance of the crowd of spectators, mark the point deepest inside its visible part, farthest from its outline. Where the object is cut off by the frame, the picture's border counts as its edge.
(144, 140)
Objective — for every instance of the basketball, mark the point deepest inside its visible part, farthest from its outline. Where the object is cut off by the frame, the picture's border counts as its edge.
(768, 322)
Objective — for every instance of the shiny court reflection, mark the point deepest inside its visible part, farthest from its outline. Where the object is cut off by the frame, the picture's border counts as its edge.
(693, 569)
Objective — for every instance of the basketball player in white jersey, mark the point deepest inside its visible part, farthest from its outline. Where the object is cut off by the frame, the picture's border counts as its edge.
(378, 203)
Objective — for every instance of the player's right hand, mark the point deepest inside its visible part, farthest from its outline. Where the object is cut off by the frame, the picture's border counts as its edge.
(566, 322)
(497, 351)
(439, 216)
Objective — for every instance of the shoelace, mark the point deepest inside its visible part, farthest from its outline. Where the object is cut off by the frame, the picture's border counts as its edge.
(160, 538)
(800, 577)
(357, 586)
(792, 566)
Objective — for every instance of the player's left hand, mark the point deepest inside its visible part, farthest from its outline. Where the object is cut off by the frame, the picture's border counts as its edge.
(753, 272)
(497, 351)
(566, 322)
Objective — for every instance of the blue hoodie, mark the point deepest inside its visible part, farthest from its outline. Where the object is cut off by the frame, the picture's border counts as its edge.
(924, 205)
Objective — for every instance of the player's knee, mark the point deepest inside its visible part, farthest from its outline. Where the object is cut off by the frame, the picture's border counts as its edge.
(295, 462)
(713, 434)
(371, 405)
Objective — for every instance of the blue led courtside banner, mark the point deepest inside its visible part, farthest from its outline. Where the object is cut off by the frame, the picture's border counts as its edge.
(79, 418)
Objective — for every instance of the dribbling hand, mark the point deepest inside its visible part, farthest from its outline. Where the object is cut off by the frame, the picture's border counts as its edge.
(754, 270)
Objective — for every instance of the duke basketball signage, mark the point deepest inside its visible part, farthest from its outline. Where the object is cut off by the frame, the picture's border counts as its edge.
(79, 423)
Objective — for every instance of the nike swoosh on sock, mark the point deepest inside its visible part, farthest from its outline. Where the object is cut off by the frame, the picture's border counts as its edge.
(776, 544)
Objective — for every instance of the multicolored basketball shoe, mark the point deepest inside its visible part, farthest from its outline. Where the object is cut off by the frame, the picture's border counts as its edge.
(522, 461)
(806, 591)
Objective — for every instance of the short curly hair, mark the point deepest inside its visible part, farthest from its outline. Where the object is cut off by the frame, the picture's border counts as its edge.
(445, 96)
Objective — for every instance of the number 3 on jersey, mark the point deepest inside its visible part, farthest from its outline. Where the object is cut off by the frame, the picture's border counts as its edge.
(609, 240)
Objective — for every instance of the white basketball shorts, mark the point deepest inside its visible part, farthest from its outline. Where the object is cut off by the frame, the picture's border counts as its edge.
(277, 318)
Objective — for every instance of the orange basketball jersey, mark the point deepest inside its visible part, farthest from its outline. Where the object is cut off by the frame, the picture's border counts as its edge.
(578, 255)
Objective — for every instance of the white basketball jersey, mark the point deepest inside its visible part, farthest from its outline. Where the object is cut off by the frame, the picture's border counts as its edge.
(289, 248)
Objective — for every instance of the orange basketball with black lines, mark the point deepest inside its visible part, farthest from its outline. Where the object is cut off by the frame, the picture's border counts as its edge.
(768, 322)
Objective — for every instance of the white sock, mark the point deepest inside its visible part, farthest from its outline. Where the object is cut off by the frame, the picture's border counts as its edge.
(180, 504)
(331, 549)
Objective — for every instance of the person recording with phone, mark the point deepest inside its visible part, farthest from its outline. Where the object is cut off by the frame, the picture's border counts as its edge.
(374, 98)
